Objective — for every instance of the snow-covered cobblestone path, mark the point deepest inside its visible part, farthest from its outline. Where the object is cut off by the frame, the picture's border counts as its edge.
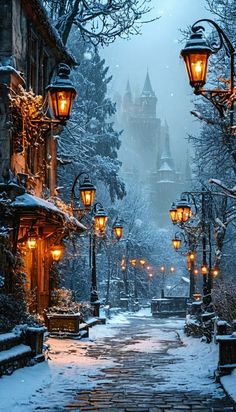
(135, 363)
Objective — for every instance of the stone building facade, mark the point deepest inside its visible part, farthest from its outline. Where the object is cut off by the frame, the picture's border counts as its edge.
(30, 50)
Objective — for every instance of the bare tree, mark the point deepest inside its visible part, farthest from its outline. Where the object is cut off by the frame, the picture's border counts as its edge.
(99, 20)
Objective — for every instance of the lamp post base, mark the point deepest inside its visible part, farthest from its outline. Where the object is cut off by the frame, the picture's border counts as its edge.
(95, 302)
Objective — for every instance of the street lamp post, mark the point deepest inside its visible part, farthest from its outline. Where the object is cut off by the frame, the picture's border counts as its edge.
(162, 270)
(189, 198)
(98, 228)
(196, 54)
(86, 194)
(117, 233)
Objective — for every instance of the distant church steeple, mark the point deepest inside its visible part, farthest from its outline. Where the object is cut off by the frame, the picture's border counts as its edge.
(148, 99)
(167, 166)
(147, 88)
(127, 99)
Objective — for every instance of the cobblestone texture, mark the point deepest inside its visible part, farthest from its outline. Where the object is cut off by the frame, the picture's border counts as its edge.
(124, 381)
(128, 386)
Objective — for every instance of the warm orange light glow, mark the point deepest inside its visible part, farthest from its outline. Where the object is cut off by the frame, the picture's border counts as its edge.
(172, 269)
(176, 243)
(87, 196)
(173, 214)
(100, 220)
(195, 54)
(32, 242)
(162, 269)
(196, 64)
(204, 269)
(215, 272)
(118, 231)
(142, 262)
(183, 213)
(57, 252)
(197, 296)
(191, 256)
(133, 262)
(60, 102)
(195, 271)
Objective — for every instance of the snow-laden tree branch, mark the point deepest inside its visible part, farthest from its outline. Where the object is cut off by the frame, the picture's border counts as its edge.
(99, 20)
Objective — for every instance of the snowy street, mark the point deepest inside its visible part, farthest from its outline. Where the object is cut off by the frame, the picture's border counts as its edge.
(134, 363)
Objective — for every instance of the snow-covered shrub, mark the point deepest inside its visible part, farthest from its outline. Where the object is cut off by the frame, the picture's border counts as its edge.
(224, 300)
(13, 306)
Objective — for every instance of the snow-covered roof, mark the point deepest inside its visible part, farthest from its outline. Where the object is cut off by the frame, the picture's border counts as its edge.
(38, 16)
(30, 203)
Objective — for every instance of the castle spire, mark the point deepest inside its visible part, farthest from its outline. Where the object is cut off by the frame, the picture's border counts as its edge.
(127, 99)
(147, 88)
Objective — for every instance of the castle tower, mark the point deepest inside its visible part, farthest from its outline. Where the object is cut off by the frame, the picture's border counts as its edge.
(148, 99)
(141, 128)
(127, 99)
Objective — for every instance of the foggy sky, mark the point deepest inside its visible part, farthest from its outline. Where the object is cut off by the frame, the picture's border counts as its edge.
(158, 48)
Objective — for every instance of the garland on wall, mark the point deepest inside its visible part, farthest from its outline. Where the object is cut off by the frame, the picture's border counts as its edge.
(28, 119)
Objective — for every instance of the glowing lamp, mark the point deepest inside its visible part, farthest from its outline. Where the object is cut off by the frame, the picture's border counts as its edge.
(172, 269)
(57, 252)
(204, 269)
(197, 297)
(118, 230)
(195, 271)
(133, 262)
(215, 272)
(150, 275)
(195, 55)
(87, 192)
(32, 240)
(142, 262)
(176, 243)
(61, 94)
(100, 220)
(173, 214)
(191, 256)
(183, 211)
(162, 269)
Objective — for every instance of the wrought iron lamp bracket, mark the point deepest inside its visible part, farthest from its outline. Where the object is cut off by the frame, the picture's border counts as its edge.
(222, 99)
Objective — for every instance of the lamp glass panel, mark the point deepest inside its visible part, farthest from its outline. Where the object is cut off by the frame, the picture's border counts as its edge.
(32, 243)
(118, 231)
(100, 223)
(56, 254)
(60, 102)
(179, 214)
(176, 243)
(204, 269)
(87, 197)
(196, 64)
(173, 215)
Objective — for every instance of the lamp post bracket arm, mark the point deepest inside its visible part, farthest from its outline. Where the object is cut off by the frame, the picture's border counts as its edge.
(224, 40)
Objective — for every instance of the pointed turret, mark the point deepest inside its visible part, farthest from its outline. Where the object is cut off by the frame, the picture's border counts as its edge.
(127, 99)
(148, 100)
(167, 168)
(147, 88)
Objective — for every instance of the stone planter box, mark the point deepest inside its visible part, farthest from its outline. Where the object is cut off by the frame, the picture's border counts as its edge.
(34, 338)
(62, 322)
(171, 306)
(227, 353)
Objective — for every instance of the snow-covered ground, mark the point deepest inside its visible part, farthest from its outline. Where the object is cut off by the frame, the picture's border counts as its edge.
(69, 369)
